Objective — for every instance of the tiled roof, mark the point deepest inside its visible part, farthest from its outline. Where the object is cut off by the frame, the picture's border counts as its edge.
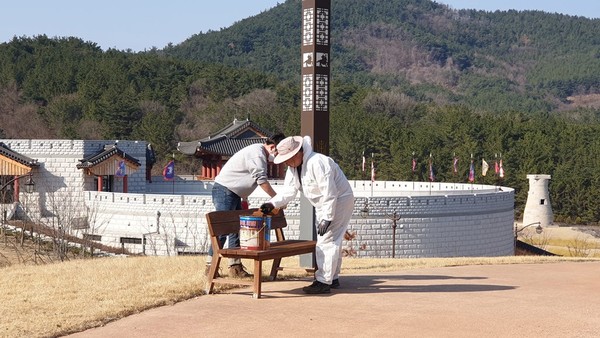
(220, 145)
(109, 150)
(229, 146)
(228, 140)
(238, 127)
(22, 159)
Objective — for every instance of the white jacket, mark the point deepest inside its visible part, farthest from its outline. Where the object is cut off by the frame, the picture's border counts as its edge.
(323, 184)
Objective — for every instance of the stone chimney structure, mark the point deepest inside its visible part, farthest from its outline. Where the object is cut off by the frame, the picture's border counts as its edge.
(537, 207)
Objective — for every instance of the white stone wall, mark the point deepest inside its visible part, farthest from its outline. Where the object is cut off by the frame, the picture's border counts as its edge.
(170, 223)
(58, 183)
(436, 225)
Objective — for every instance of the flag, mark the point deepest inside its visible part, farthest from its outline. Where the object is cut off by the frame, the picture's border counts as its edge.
(455, 164)
(414, 165)
(120, 169)
(363, 164)
(372, 171)
(484, 167)
(501, 170)
(496, 168)
(431, 174)
(169, 170)
(472, 172)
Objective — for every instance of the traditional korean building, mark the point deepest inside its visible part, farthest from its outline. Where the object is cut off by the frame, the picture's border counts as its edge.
(107, 164)
(215, 149)
(13, 167)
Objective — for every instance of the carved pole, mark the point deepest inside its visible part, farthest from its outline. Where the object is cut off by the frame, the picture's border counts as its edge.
(314, 118)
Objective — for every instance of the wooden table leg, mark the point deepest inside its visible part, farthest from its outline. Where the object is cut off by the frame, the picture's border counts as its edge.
(212, 273)
(275, 268)
(257, 278)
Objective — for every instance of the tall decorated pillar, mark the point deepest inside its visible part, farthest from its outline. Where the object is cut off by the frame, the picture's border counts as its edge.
(315, 72)
(315, 49)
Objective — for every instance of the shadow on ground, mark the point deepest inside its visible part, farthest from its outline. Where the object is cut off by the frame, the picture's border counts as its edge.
(365, 284)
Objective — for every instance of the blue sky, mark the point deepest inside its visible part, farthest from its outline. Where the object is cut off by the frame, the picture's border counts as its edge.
(143, 24)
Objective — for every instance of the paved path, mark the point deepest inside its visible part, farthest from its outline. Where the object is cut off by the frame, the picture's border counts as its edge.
(524, 300)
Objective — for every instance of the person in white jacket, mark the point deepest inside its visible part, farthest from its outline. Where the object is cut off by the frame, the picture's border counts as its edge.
(324, 184)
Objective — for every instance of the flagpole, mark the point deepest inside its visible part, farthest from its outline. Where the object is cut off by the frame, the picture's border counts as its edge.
(501, 170)
(496, 169)
(472, 172)
(173, 185)
(363, 165)
(484, 169)
(454, 167)
(430, 173)
(372, 174)
(413, 164)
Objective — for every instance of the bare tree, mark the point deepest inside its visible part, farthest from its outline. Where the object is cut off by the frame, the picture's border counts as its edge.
(579, 247)
(20, 120)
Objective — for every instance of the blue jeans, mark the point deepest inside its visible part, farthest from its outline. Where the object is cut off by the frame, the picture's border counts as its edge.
(225, 199)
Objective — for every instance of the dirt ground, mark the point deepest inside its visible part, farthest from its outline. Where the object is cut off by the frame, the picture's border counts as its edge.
(514, 300)
(13, 251)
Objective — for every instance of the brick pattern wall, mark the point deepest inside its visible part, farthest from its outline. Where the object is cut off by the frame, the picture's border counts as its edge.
(429, 226)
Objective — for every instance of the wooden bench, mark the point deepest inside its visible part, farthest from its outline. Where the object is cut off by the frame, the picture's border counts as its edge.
(226, 222)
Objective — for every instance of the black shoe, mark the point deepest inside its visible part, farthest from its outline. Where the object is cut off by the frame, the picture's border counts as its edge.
(335, 284)
(317, 287)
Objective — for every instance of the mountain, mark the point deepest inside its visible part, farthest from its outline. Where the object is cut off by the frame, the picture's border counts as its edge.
(500, 61)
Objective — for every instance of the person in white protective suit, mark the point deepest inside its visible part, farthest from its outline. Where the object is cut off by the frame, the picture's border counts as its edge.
(324, 184)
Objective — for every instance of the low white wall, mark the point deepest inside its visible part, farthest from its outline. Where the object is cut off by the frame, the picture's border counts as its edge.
(434, 222)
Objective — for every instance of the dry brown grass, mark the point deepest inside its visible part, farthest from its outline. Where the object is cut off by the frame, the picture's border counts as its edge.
(564, 241)
(57, 299)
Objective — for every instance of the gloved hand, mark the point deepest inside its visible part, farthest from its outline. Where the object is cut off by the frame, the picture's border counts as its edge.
(322, 227)
(267, 208)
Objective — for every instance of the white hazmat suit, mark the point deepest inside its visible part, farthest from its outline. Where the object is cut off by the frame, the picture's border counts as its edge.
(326, 187)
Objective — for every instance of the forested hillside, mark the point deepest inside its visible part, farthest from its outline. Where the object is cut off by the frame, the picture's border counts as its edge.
(409, 77)
(502, 61)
